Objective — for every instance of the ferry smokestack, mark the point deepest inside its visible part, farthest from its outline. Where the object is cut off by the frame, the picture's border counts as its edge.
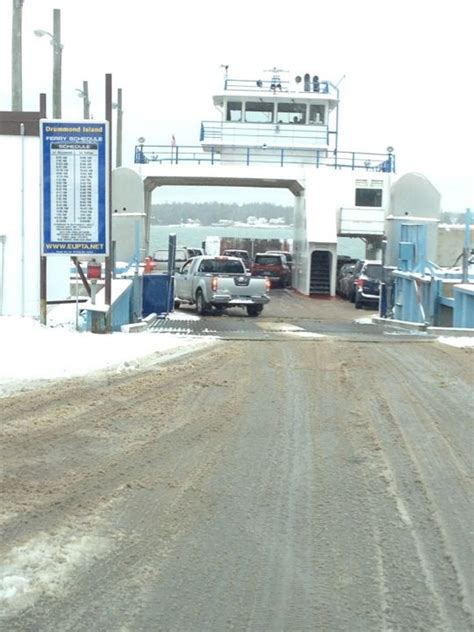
(307, 81)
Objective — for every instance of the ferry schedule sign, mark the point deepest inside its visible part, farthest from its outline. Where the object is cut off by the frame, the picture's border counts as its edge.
(75, 195)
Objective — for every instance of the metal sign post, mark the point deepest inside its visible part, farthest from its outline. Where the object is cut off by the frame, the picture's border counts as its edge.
(108, 259)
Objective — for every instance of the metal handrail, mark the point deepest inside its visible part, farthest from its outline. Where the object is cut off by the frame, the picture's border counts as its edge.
(283, 156)
(270, 85)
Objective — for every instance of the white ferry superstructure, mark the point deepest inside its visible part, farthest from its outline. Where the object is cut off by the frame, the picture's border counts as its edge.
(275, 133)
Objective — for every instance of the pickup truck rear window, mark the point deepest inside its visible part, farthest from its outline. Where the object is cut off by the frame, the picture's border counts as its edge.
(268, 260)
(222, 266)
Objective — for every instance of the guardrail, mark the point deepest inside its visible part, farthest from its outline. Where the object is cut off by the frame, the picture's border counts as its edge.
(282, 156)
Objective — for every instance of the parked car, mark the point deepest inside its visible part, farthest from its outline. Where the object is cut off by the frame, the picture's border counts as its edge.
(241, 254)
(288, 257)
(348, 282)
(160, 257)
(345, 280)
(195, 252)
(367, 284)
(213, 283)
(273, 267)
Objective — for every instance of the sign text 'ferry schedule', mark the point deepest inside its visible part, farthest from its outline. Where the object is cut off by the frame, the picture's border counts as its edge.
(75, 192)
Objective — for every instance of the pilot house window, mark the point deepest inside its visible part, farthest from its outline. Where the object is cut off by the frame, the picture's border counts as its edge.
(316, 114)
(234, 111)
(258, 112)
(291, 113)
(368, 197)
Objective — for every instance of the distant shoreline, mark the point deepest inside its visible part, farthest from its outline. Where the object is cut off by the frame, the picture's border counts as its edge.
(193, 235)
(232, 225)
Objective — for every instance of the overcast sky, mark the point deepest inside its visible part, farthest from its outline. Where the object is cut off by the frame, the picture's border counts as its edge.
(407, 79)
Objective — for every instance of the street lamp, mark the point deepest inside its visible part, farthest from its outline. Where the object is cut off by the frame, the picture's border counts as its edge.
(118, 106)
(84, 95)
(57, 60)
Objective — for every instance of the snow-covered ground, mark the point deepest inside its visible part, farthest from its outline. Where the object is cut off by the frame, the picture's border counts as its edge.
(31, 353)
(457, 341)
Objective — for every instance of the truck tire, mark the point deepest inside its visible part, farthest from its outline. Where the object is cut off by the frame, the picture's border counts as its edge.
(254, 310)
(201, 306)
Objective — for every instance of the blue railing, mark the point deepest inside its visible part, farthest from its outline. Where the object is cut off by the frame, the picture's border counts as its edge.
(283, 156)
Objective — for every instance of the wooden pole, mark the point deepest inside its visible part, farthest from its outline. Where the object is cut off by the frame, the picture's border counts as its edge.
(17, 80)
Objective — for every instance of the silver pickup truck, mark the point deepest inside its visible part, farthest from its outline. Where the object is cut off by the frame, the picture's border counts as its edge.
(219, 282)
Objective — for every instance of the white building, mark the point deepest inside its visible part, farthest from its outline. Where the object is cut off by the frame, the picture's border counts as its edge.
(20, 217)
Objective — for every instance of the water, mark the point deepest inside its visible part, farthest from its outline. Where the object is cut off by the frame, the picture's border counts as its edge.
(193, 236)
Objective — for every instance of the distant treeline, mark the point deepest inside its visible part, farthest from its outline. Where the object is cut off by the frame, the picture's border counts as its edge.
(211, 212)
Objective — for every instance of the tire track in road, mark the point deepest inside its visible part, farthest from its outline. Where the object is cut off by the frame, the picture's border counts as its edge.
(278, 486)
(432, 419)
(444, 398)
(399, 422)
(131, 473)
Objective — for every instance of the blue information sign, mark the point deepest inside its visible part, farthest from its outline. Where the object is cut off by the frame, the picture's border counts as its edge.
(75, 194)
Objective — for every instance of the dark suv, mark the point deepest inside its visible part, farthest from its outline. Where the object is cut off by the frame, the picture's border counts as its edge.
(273, 267)
(367, 283)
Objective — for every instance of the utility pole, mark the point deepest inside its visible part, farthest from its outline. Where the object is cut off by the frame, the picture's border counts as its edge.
(85, 97)
(57, 59)
(17, 79)
(57, 63)
(118, 107)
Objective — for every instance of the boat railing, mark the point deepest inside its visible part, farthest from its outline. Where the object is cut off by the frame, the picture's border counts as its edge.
(275, 86)
(246, 156)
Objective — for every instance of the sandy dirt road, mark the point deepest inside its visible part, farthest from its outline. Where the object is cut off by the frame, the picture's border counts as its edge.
(274, 485)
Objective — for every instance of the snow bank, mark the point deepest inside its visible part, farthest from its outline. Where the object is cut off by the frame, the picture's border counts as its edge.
(454, 341)
(31, 351)
(42, 567)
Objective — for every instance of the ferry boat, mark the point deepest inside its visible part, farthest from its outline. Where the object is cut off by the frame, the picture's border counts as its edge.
(282, 131)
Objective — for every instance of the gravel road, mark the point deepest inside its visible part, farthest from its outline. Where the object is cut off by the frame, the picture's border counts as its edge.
(274, 485)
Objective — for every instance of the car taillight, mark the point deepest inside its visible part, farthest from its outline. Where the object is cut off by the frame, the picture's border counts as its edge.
(268, 284)
(214, 283)
(360, 282)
